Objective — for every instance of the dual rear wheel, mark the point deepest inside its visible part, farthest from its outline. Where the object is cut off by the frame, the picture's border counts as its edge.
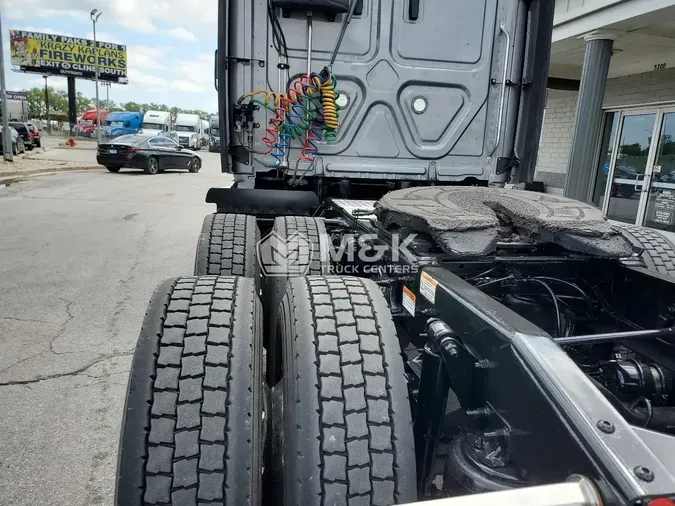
(198, 406)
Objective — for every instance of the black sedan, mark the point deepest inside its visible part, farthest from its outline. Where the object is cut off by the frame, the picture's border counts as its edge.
(153, 154)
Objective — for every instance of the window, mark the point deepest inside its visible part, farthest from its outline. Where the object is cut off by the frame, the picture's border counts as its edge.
(162, 142)
(132, 140)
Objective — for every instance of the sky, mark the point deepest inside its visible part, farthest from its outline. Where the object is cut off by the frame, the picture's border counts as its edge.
(170, 45)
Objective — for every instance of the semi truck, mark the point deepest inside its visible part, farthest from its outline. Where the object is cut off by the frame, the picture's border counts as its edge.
(205, 132)
(188, 127)
(17, 108)
(86, 124)
(122, 123)
(214, 134)
(381, 311)
(157, 123)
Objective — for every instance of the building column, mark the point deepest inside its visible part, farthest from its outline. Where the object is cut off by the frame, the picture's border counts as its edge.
(588, 121)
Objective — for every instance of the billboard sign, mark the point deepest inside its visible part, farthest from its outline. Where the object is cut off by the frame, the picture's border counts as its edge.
(59, 55)
(17, 95)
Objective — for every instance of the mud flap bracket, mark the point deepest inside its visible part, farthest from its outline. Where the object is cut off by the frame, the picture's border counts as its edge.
(260, 202)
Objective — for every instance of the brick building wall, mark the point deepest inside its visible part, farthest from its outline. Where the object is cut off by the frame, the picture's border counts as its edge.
(556, 141)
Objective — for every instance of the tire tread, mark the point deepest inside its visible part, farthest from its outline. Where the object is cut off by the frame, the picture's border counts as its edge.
(199, 423)
(362, 423)
(314, 230)
(658, 252)
(227, 246)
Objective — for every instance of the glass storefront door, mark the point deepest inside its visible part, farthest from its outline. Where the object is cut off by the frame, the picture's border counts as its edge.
(637, 161)
(660, 207)
(629, 166)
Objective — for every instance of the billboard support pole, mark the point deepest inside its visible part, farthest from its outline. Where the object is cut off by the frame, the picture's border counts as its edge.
(72, 103)
(6, 139)
(49, 123)
(94, 18)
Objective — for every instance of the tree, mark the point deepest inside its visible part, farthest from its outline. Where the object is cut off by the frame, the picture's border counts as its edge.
(132, 107)
(632, 149)
(83, 103)
(174, 112)
(36, 102)
(58, 104)
(58, 101)
(110, 105)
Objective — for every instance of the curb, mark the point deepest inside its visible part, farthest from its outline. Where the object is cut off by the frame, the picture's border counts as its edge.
(15, 176)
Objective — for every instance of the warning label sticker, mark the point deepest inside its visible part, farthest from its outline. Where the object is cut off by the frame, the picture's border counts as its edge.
(408, 300)
(428, 287)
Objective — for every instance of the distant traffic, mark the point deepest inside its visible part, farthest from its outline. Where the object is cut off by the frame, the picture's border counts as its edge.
(188, 130)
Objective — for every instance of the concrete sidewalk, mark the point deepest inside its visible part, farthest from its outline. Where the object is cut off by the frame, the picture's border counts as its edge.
(50, 158)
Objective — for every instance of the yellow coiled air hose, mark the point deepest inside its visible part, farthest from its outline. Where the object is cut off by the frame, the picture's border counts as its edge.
(328, 97)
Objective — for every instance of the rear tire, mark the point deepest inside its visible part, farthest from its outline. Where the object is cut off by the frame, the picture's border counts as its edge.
(227, 246)
(313, 232)
(153, 166)
(192, 429)
(659, 252)
(347, 428)
(195, 164)
(113, 169)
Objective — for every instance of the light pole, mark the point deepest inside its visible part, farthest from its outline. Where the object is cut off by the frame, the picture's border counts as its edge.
(94, 18)
(8, 155)
(49, 123)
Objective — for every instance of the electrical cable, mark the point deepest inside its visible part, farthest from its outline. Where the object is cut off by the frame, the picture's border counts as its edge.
(309, 167)
(568, 283)
(278, 37)
(307, 109)
(489, 271)
(495, 281)
(250, 150)
(555, 302)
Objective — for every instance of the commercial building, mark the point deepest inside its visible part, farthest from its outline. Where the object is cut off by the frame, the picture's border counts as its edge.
(609, 126)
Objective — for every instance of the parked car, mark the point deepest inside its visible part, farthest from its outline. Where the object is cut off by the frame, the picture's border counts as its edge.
(37, 141)
(153, 154)
(25, 132)
(18, 145)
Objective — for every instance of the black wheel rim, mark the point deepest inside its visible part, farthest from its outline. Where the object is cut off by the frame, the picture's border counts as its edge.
(153, 166)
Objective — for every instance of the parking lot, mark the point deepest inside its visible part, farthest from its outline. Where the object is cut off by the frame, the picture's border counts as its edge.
(80, 254)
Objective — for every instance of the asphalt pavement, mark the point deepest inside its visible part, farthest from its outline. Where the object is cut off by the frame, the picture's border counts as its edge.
(80, 254)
